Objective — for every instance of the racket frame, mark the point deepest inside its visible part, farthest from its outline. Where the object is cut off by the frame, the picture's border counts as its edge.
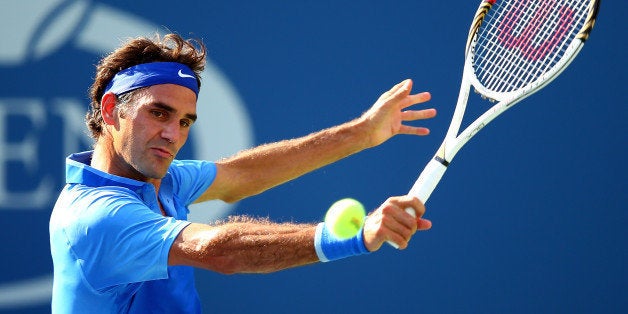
(453, 142)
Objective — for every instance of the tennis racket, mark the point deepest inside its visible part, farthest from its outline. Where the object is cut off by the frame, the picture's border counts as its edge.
(514, 48)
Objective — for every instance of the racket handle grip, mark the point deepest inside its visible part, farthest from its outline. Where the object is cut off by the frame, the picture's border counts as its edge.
(427, 181)
(424, 186)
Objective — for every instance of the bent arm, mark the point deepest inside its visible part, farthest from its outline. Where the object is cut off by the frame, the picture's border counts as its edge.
(247, 245)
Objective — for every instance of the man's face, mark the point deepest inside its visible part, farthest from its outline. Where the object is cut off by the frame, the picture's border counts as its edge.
(152, 129)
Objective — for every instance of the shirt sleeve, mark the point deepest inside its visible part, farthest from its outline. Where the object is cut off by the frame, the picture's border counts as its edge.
(191, 178)
(122, 241)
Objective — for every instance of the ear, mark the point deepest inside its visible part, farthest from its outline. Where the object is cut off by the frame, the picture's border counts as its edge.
(108, 108)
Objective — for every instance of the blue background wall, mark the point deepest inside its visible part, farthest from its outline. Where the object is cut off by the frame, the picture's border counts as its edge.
(531, 216)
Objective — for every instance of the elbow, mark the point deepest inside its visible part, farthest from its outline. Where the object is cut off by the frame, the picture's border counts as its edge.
(212, 254)
(220, 264)
(231, 198)
(224, 269)
(226, 196)
(236, 196)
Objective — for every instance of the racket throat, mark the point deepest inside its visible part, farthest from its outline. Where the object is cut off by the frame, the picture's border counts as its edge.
(443, 156)
(442, 161)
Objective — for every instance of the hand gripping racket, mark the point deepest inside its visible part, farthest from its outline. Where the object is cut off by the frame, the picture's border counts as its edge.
(514, 48)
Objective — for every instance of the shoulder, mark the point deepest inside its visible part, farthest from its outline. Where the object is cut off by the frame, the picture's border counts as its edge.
(179, 166)
(186, 171)
(79, 205)
(190, 178)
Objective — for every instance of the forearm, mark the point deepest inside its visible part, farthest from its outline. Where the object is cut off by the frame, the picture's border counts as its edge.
(256, 170)
(245, 246)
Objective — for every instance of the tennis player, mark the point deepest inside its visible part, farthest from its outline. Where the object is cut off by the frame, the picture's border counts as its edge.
(119, 238)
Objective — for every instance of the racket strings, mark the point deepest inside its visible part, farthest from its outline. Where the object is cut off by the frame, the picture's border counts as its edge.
(521, 40)
(534, 53)
(509, 26)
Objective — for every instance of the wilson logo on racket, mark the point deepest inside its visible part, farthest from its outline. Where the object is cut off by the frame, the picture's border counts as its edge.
(531, 37)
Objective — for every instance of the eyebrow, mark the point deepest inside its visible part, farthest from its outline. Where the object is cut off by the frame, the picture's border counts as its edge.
(191, 116)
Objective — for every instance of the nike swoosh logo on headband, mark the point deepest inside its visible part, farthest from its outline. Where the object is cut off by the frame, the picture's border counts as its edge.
(181, 74)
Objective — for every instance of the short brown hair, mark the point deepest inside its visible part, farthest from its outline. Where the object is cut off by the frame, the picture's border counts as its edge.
(170, 48)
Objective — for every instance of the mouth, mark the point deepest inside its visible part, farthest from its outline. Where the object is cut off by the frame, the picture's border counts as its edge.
(162, 152)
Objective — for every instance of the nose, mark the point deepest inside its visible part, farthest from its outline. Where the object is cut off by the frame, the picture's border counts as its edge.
(170, 133)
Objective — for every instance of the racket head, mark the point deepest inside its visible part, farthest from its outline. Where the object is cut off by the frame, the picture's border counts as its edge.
(516, 47)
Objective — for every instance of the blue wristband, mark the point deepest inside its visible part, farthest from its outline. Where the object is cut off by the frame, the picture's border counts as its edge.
(329, 248)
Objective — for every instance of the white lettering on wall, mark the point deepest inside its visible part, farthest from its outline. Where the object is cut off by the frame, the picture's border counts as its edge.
(25, 149)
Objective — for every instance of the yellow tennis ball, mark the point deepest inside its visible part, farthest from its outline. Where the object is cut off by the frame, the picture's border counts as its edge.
(345, 218)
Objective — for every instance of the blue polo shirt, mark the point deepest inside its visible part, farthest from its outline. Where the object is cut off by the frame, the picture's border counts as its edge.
(110, 242)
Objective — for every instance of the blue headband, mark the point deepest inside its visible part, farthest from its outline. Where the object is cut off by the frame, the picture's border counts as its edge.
(154, 73)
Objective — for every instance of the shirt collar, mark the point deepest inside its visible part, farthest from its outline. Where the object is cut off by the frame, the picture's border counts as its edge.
(78, 170)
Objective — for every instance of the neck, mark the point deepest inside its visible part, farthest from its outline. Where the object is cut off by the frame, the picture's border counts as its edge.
(107, 160)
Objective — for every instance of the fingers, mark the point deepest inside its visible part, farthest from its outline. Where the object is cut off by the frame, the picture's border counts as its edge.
(401, 94)
(397, 220)
(413, 115)
(400, 90)
(391, 222)
(417, 99)
(386, 117)
(423, 224)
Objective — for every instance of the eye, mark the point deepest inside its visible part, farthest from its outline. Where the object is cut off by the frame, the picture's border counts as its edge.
(186, 123)
(158, 114)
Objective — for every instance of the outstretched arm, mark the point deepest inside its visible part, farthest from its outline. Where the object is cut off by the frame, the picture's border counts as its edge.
(258, 169)
(247, 245)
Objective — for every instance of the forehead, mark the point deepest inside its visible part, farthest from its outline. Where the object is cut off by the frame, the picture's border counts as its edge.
(178, 97)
